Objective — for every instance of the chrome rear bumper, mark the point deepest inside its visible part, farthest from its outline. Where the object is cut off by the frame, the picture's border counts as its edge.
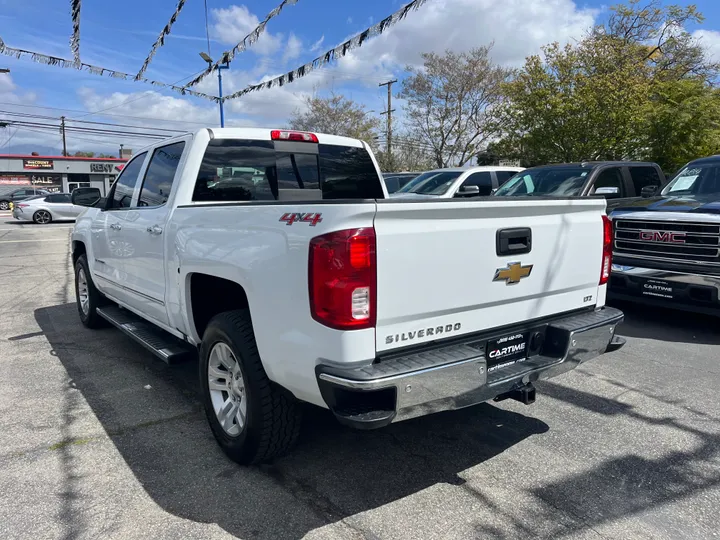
(454, 376)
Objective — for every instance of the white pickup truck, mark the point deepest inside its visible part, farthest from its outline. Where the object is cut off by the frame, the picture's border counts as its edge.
(276, 257)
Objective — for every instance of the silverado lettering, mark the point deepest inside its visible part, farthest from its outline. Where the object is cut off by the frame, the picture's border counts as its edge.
(435, 331)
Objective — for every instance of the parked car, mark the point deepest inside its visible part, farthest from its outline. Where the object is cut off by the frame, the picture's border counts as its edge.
(43, 209)
(394, 181)
(618, 181)
(18, 195)
(309, 287)
(457, 182)
(667, 248)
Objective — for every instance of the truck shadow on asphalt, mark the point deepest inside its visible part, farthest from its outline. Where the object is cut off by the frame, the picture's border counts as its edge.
(152, 414)
(665, 324)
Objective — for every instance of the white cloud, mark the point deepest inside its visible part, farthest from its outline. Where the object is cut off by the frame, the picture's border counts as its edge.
(234, 23)
(710, 39)
(9, 92)
(349, 20)
(318, 44)
(293, 48)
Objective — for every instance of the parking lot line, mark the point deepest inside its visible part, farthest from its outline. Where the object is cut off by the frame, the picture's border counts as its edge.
(62, 239)
(52, 228)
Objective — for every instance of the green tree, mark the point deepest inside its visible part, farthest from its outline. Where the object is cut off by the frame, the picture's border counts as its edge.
(605, 97)
(451, 103)
(336, 115)
(683, 123)
(84, 154)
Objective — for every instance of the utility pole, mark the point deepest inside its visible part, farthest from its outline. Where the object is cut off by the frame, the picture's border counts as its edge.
(389, 112)
(62, 130)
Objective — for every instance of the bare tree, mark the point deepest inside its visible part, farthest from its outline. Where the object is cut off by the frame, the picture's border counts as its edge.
(408, 154)
(450, 103)
(336, 115)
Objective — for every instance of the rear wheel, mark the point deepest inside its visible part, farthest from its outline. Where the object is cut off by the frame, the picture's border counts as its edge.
(4, 205)
(251, 419)
(42, 217)
(88, 298)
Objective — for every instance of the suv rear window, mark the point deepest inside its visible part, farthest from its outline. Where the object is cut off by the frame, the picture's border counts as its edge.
(241, 170)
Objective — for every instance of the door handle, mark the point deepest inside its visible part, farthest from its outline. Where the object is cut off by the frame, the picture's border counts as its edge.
(116, 226)
(155, 229)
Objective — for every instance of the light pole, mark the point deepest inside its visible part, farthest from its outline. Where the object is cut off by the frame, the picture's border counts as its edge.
(220, 67)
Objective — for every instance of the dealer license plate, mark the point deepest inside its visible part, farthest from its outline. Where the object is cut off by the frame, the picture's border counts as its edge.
(506, 351)
(657, 288)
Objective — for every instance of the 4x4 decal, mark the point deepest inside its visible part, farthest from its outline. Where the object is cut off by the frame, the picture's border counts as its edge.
(313, 218)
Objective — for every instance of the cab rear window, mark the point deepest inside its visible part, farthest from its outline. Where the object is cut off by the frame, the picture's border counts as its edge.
(241, 170)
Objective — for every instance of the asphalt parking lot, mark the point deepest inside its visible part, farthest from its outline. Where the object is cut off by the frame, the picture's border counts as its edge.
(101, 440)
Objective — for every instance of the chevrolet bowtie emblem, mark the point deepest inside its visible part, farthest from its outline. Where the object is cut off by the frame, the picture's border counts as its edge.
(512, 273)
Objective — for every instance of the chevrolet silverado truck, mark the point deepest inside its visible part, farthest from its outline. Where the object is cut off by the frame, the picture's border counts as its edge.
(277, 258)
(667, 248)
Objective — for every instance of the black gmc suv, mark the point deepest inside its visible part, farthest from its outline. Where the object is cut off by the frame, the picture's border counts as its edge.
(666, 248)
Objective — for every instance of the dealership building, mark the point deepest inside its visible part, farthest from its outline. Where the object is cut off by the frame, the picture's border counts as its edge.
(57, 173)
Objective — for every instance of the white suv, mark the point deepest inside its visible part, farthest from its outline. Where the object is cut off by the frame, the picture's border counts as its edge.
(457, 182)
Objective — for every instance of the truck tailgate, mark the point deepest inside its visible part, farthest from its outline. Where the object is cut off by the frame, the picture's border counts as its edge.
(439, 274)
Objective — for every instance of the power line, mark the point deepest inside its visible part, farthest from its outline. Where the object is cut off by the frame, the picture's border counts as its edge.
(117, 115)
(78, 129)
(42, 117)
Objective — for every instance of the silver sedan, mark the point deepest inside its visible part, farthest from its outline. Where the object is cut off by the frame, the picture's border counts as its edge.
(46, 208)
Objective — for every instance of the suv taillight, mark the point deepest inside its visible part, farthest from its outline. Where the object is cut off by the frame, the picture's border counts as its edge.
(607, 250)
(343, 280)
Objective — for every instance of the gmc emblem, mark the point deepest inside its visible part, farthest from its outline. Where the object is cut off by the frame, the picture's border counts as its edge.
(663, 236)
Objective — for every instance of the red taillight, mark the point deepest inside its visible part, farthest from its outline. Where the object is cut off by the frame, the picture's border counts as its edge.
(607, 250)
(342, 279)
(297, 136)
(22, 205)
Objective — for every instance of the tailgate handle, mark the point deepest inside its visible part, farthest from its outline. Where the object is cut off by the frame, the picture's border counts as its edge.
(514, 241)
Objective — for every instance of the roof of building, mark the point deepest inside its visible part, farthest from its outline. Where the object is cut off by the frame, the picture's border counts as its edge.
(73, 158)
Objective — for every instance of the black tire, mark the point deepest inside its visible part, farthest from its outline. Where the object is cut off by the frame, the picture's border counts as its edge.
(42, 217)
(96, 299)
(273, 416)
(4, 205)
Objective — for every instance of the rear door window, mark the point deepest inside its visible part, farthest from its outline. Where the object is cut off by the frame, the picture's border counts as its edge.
(644, 176)
(241, 170)
(58, 198)
(504, 176)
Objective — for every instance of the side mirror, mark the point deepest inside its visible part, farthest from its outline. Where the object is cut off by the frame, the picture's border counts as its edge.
(648, 191)
(85, 196)
(608, 192)
(468, 191)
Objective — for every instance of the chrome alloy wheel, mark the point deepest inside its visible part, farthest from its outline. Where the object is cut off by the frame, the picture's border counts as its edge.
(227, 389)
(83, 292)
(42, 217)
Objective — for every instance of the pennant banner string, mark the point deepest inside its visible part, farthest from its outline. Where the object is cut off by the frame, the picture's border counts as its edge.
(75, 38)
(333, 54)
(160, 41)
(246, 42)
(95, 70)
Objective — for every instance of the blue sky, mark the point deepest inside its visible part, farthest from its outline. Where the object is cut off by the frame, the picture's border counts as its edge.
(118, 35)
